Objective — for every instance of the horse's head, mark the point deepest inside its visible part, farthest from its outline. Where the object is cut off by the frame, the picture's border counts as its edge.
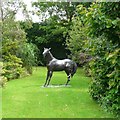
(46, 51)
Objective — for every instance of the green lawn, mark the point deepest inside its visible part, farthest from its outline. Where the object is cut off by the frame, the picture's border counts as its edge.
(26, 98)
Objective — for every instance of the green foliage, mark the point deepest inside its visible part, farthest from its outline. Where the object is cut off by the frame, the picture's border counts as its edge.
(62, 10)
(102, 18)
(48, 34)
(76, 39)
(106, 76)
(28, 54)
(13, 38)
(112, 95)
(3, 79)
(17, 54)
(52, 32)
(12, 67)
(101, 23)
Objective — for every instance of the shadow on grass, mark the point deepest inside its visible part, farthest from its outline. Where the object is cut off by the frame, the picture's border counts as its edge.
(49, 86)
(56, 86)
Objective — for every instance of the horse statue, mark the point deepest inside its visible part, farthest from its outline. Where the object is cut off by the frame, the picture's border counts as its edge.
(54, 64)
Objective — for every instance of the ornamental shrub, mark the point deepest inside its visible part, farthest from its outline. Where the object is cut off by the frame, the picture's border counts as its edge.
(101, 30)
(106, 81)
(3, 79)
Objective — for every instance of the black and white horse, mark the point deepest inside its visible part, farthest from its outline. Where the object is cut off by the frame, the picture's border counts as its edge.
(54, 64)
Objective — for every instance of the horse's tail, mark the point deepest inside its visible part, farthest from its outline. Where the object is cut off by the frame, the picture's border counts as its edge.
(74, 69)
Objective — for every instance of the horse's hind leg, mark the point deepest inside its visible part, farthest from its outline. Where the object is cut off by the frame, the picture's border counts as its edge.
(68, 79)
(50, 75)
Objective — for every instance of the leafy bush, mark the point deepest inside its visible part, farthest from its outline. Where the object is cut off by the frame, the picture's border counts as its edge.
(3, 79)
(105, 84)
(101, 22)
(76, 40)
(28, 54)
(12, 67)
(18, 56)
(111, 99)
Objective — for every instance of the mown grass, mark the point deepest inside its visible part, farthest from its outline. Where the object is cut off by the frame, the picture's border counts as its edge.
(26, 98)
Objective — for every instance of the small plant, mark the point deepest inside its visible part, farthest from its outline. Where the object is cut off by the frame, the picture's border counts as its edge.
(3, 79)
(12, 67)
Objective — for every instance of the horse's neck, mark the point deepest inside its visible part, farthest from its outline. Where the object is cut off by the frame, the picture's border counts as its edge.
(49, 57)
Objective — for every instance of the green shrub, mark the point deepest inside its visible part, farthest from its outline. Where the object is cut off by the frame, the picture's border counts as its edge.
(106, 79)
(28, 54)
(18, 56)
(111, 99)
(100, 27)
(76, 40)
(3, 79)
(12, 67)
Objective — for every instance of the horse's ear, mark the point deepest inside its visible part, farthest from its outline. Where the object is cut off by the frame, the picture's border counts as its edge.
(49, 48)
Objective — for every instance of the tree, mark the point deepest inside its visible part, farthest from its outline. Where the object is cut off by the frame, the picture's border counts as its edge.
(102, 18)
(13, 39)
(63, 10)
(76, 40)
(53, 30)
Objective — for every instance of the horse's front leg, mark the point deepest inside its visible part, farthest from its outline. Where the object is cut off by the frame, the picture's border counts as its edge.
(48, 73)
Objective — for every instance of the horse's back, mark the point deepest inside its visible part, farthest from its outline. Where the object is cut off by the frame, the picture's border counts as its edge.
(60, 65)
(56, 65)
